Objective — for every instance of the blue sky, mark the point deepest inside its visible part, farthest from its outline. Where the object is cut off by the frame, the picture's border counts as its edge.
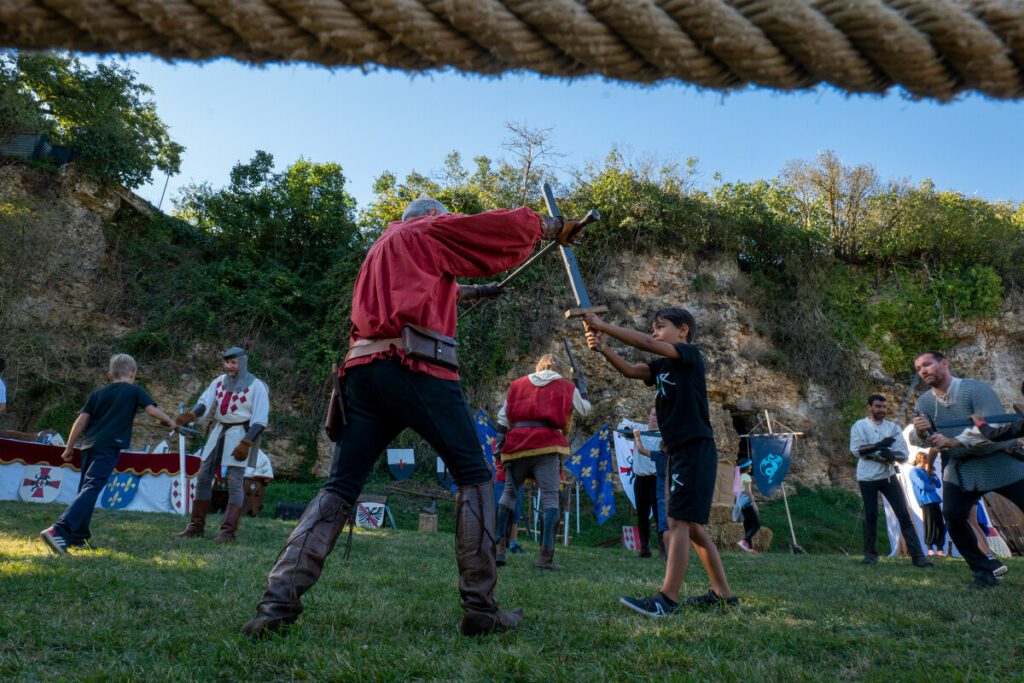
(372, 122)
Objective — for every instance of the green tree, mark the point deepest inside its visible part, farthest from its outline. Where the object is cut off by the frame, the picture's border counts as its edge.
(104, 114)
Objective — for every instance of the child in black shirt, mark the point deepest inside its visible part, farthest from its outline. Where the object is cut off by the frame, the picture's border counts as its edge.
(677, 372)
(106, 420)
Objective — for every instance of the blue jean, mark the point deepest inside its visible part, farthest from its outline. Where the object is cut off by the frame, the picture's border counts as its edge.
(97, 466)
(659, 469)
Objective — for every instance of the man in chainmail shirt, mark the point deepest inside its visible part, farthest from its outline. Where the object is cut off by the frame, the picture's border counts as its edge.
(972, 464)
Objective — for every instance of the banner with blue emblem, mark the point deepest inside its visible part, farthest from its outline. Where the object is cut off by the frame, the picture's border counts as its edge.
(119, 491)
(593, 467)
(771, 454)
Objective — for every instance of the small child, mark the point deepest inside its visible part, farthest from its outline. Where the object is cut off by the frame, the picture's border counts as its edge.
(746, 508)
(926, 490)
(677, 372)
(106, 420)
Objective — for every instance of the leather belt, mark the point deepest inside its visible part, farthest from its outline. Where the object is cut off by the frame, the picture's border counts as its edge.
(368, 347)
(533, 423)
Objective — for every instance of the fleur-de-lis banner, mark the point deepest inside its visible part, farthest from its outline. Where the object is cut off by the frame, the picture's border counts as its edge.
(593, 466)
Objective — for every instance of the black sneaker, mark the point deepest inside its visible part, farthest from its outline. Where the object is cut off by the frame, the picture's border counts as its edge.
(54, 541)
(923, 563)
(655, 606)
(983, 580)
(1000, 570)
(870, 559)
(516, 549)
(712, 599)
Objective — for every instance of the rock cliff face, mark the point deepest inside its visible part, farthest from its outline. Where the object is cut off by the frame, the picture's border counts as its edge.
(56, 283)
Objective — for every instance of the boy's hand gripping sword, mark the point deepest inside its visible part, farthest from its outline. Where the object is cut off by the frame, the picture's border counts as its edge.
(579, 290)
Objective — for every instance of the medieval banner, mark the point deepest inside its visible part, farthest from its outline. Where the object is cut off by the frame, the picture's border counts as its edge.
(770, 454)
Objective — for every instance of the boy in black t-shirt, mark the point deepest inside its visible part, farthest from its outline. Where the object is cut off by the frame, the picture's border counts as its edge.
(106, 419)
(677, 373)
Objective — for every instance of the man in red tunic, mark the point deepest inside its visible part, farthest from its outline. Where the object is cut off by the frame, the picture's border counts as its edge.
(536, 418)
(407, 287)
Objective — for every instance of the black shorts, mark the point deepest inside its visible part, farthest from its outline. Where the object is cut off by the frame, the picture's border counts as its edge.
(693, 471)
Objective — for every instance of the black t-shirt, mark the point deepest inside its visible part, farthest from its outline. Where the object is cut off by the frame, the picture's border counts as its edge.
(112, 414)
(682, 397)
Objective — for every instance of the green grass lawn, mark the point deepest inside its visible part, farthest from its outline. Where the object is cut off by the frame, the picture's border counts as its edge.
(146, 607)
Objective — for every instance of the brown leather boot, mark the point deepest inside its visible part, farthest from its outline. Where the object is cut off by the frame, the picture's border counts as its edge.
(478, 574)
(232, 516)
(504, 529)
(299, 564)
(546, 560)
(200, 508)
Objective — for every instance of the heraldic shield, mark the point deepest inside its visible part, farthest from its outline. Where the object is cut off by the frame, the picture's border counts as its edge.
(770, 455)
(370, 515)
(401, 462)
(40, 483)
(119, 491)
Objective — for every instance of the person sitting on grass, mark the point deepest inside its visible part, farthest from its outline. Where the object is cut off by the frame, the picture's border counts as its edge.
(926, 490)
(746, 508)
(677, 372)
(106, 421)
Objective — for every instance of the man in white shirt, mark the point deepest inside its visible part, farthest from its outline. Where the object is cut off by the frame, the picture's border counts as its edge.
(878, 445)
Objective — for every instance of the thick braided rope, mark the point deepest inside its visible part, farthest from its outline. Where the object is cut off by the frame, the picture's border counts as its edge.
(931, 48)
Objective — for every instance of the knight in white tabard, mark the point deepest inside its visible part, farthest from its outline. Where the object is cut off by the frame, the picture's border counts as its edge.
(239, 405)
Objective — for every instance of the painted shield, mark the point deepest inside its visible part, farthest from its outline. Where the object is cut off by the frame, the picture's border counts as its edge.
(771, 456)
(444, 477)
(119, 491)
(40, 483)
(631, 538)
(177, 500)
(370, 515)
(401, 462)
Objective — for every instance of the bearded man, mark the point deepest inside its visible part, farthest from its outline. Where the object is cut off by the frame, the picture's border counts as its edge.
(239, 405)
(972, 464)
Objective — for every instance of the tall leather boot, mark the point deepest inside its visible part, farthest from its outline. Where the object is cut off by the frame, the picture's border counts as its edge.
(546, 558)
(200, 508)
(232, 516)
(504, 531)
(299, 564)
(478, 574)
(662, 550)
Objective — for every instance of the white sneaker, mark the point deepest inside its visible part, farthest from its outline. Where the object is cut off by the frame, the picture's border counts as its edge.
(745, 545)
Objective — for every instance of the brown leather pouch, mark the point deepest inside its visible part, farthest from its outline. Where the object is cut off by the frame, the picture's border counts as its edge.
(335, 409)
(430, 346)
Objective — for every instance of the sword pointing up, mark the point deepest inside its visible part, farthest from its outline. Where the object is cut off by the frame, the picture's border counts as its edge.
(579, 290)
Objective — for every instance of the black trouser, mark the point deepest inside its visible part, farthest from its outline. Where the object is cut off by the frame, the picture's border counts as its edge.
(956, 508)
(934, 528)
(893, 492)
(382, 399)
(645, 490)
(751, 522)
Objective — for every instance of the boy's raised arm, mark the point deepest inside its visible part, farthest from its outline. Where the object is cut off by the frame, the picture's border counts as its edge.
(632, 370)
(634, 338)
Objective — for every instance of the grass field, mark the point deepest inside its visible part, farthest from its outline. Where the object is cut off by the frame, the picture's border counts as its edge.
(146, 607)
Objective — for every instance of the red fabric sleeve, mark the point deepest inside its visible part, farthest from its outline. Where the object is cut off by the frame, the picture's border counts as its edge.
(485, 244)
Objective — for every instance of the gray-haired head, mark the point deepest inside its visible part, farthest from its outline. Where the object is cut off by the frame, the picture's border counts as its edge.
(423, 206)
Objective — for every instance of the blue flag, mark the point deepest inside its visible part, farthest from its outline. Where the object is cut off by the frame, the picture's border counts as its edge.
(487, 435)
(771, 460)
(593, 467)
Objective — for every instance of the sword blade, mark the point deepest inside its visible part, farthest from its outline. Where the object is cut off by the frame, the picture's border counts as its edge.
(579, 291)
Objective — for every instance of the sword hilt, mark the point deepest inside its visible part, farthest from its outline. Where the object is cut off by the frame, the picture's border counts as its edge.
(580, 312)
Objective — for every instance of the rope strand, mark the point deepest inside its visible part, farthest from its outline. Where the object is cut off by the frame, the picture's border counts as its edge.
(931, 48)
